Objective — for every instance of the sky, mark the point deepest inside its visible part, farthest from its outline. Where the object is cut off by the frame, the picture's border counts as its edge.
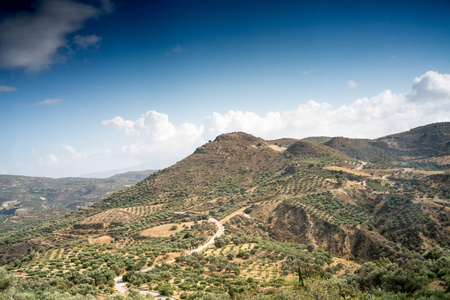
(97, 85)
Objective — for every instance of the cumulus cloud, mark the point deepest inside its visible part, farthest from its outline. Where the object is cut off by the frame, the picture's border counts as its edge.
(362, 118)
(370, 117)
(153, 138)
(31, 40)
(88, 41)
(151, 124)
(430, 86)
(154, 134)
(6, 88)
(352, 84)
(49, 102)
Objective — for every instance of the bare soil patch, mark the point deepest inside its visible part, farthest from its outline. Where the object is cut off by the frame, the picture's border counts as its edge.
(103, 240)
(166, 257)
(164, 230)
(437, 284)
(52, 256)
(423, 172)
(277, 148)
(237, 212)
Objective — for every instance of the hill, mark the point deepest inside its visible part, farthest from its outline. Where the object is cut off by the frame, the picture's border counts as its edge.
(133, 175)
(425, 141)
(144, 169)
(360, 149)
(309, 212)
(416, 144)
(303, 149)
(31, 196)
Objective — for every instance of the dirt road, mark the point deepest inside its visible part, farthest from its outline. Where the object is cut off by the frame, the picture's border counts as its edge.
(122, 286)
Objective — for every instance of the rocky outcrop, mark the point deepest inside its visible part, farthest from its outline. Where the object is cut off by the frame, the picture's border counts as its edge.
(291, 223)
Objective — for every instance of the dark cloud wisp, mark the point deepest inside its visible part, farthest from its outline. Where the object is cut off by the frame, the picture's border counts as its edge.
(33, 40)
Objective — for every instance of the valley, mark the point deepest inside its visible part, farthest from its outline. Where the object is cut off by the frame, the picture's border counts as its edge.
(247, 218)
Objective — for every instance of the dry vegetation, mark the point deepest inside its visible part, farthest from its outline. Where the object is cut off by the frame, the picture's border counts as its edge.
(282, 209)
(165, 230)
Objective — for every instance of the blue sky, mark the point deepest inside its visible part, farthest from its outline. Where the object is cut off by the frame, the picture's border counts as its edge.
(99, 85)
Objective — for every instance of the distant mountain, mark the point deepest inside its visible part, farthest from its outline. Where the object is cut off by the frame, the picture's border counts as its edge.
(422, 142)
(30, 195)
(133, 175)
(425, 141)
(143, 168)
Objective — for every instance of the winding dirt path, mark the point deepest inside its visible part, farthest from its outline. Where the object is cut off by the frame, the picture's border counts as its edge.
(122, 286)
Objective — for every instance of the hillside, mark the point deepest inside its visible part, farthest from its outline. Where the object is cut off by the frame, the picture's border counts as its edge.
(420, 143)
(31, 196)
(309, 151)
(425, 141)
(288, 207)
(360, 149)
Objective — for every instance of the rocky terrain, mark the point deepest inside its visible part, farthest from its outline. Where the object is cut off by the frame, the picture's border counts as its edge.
(328, 206)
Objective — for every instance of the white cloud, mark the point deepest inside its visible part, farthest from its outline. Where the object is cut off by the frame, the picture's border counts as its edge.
(6, 88)
(308, 119)
(153, 138)
(306, 72)
(371, 117)
(151, 123)
(87, 41)
(154, 134)
(32, 40)
(352, 84)
(430, 86)
(49, 102)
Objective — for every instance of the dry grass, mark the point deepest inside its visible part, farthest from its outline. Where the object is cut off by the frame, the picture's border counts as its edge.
(164, 230)
(277, 148)
(237, 212)
(103, 240)
(437, 284)
(427, 173)
(52, 256)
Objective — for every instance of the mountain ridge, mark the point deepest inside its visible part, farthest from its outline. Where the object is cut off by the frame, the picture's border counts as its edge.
(330, 204)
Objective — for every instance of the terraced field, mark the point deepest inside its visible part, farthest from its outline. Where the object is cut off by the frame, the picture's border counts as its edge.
(327, 207)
